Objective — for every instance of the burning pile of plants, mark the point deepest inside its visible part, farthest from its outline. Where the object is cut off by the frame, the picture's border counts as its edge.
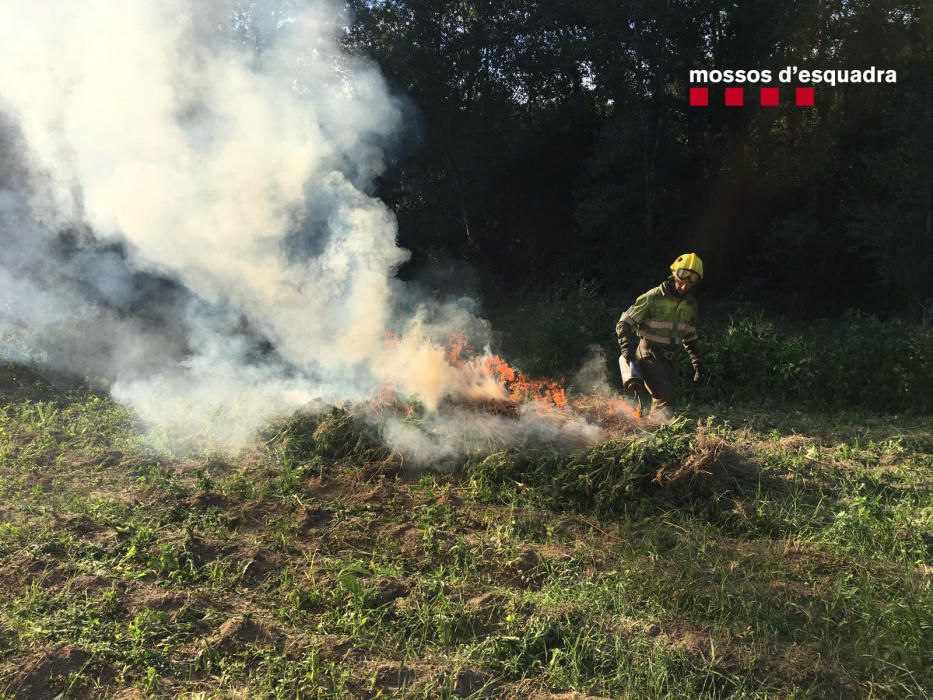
(477, 403)
(587, 452)
(679, 461)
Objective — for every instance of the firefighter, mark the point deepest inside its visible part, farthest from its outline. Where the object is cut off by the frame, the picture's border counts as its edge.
(651, 331)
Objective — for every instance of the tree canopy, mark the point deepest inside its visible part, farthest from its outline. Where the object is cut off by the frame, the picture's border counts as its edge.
(553, 140)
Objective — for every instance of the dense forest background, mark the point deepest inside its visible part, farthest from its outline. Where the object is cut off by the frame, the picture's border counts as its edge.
(551, 142)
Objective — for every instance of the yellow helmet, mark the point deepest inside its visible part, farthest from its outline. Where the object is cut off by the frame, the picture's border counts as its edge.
(688, 268)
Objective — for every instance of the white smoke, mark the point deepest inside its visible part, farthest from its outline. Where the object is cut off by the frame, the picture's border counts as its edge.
(444, 437)
(592, 378)
(225, 150)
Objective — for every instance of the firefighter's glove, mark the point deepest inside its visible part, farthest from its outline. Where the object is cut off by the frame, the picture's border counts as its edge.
(700, 375)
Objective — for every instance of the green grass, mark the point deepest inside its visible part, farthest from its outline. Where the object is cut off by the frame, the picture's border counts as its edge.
(758, 554)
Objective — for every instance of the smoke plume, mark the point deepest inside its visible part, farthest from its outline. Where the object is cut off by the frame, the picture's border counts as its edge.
(186, 214)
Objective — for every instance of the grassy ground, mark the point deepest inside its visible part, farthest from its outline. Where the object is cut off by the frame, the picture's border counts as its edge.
(762, 553)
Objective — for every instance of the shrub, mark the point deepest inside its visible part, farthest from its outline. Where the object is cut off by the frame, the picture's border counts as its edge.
(331, 435)
(858, 361)
(607, 478)
(548, 334)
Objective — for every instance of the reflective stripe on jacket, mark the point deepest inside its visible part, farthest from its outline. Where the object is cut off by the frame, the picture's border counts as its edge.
(660, 316)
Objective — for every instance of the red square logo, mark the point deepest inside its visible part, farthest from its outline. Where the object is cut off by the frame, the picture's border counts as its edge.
(770, 97)
(699, 97)
(735, 97)
(805, 97)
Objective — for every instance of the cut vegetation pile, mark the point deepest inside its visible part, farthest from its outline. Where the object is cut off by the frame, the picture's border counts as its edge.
(766, 555)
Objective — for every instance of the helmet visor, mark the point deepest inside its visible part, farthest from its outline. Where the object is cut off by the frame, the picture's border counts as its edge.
(688, 276)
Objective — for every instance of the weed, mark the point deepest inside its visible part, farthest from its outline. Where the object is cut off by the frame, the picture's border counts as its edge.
(785, 558)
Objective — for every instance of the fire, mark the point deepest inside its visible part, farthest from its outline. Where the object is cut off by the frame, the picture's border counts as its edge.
(551, 393)
(458, 347)
(385, 397)
(518, 387)
(432, 373)
(498, 368)
(458, 372)
(619, 407)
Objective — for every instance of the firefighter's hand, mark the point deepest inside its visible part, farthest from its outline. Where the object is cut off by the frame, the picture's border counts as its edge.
(700, 376)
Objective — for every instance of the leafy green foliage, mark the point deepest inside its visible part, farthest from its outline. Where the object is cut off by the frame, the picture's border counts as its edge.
(608, 478)
(859, 360)
(547, 333)
(310, 439)
(553, 142)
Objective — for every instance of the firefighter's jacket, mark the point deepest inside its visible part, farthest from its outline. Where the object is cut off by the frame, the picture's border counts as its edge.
(663, 321)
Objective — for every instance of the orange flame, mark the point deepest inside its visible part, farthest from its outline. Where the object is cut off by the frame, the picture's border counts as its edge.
(551, 393)
(489, 379)
(619, 406)
(498, 368)
(458, 349)
(385, 397)
(518, 387)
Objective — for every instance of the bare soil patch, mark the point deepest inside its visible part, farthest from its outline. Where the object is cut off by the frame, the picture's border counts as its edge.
(46, 674)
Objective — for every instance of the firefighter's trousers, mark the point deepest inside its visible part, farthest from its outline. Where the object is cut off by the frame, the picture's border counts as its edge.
(659, 367)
